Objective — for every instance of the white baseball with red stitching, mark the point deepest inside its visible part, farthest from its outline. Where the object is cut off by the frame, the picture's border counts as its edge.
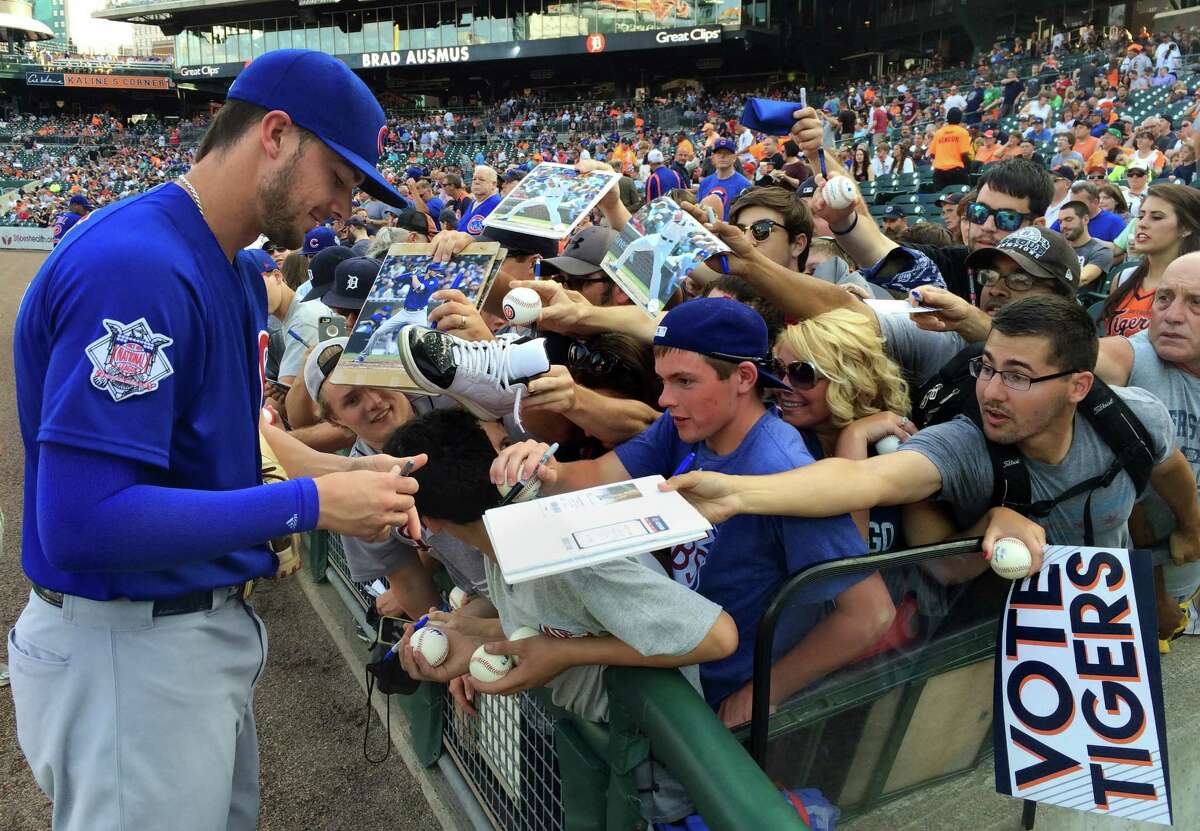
(433, 645)
(521, 306)
(458, 599)
(487, 667)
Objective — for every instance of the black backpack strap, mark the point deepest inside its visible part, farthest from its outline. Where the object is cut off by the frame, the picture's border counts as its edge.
(1122, 431)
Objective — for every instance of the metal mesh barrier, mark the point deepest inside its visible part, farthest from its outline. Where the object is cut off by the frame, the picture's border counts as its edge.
(337, 559)
(506, 754)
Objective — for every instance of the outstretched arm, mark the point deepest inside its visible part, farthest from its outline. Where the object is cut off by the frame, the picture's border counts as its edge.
(822, 489)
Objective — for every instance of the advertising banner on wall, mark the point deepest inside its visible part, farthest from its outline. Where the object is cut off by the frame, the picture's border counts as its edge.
(26, 239)
(584, 44)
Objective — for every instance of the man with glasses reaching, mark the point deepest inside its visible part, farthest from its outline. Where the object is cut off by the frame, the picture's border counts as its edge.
(577, 268)
(1032, 383)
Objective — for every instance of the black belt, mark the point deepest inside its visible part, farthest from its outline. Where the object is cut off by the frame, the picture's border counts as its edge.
(184, 604)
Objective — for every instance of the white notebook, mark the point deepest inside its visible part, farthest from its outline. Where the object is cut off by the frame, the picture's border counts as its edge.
(562, 533)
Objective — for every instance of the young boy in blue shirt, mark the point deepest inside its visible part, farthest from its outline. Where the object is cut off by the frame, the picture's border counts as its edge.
(709, 353)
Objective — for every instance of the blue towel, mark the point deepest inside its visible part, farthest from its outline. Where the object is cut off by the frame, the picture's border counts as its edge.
(770, 116)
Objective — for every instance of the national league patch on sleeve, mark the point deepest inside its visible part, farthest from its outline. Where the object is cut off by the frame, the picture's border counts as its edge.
(129, 360)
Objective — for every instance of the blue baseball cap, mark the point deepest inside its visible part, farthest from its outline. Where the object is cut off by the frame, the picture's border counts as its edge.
(892, 212)
(80, 200)
(720, 328)
(724, 144)
(318, 239)
(263, 261)
(325, 97)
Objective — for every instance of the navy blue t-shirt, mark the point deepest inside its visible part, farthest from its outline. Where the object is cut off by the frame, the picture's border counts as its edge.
(745, 560)
(727, 189)
(1105, 226)
(472, 218)
(139, 339)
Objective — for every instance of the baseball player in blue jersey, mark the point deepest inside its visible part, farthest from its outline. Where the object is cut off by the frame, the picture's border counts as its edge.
(138, 358)
(77, 208)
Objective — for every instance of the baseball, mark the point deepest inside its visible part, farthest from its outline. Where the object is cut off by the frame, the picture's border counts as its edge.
(487, 667)
(1011, 559)
(433, 645)
(840, 193)
(887, 444)
(458, 599)
(521, 306)
(523, 632)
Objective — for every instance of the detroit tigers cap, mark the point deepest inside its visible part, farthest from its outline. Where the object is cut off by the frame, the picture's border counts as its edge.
(721, 328)
(321, 269)
(325, 97)
(352, 280)
(318, 239)
(321, 363)
(1037, 251)
(582, 255)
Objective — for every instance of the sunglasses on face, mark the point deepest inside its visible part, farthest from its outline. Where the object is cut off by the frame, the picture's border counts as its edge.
(1006, 219)
(1135, 174)
(800, 375)
(599, 362)
(573, 282)
(761, 229)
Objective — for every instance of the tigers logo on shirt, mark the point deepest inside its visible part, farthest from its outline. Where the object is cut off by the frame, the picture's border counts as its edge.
(129, 360)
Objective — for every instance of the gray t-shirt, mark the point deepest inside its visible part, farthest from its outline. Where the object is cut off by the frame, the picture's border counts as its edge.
(920, 354)
(371, 560)
(1180, 392)
(958, 450)
(631, 599)
(304, 320)
(1094, 252)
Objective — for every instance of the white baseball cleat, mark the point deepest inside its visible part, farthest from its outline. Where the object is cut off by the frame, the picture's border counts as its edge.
(486, 377)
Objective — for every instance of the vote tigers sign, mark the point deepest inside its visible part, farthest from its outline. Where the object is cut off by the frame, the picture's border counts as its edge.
(1078, 687)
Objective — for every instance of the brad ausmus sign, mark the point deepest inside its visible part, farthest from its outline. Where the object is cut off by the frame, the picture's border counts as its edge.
(1078, 688)
(444, 54)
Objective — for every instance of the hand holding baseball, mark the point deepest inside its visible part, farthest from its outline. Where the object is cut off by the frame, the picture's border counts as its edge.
(1007, 523)
(533, 662)
(459, 648)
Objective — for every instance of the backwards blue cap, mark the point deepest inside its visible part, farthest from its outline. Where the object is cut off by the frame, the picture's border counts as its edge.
(322, 95)
(262, 260)
(721, 328)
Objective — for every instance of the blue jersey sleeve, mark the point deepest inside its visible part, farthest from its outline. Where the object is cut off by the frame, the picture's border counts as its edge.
(655, 450)
(124, 336)
(121, 523)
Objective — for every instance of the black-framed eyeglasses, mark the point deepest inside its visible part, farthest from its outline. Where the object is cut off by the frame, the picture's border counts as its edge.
(800, 375)
(1006, 218)
(760, 228)
(1018, 381)
(597, 361)
(575, 282)
(1016, 280)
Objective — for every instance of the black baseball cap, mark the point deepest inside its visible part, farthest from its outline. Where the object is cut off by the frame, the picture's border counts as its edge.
(1063, 172)
(352, 281)
(892, 212)
(410, 219)
(582, 255)
(1038, 251)
(807, 188)
(950, 198)
(321, 268)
